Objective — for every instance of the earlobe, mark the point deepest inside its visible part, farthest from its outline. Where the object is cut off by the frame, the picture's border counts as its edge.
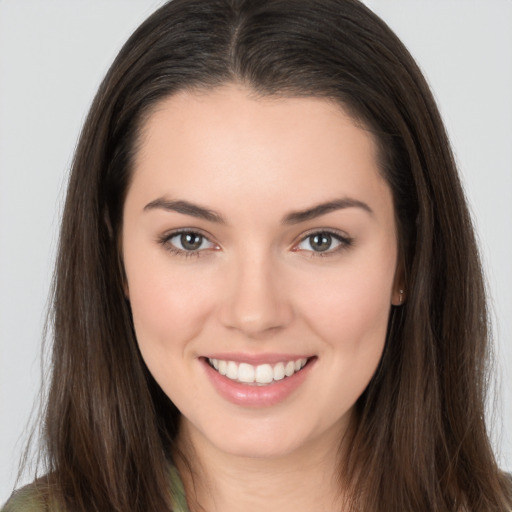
(398, 297)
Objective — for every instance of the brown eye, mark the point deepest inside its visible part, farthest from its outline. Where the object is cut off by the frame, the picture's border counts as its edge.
(187, 242)
(324, 242)
(320, 242)
(191, 241)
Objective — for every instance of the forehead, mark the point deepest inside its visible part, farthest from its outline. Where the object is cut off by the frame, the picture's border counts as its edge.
(228, 141)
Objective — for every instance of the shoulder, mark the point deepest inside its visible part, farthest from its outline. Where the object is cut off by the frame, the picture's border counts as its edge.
(30, 498)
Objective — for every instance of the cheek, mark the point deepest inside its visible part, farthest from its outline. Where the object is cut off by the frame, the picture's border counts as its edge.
(169, 308)
(349, 313)
(168, 304)
(349, 309)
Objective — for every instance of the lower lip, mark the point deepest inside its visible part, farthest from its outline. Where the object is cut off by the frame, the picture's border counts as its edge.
(253, 395)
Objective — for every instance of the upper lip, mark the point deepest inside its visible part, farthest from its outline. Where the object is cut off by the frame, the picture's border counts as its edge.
(255, 359)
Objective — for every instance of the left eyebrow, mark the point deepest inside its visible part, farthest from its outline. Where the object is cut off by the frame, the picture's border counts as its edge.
(324, 208)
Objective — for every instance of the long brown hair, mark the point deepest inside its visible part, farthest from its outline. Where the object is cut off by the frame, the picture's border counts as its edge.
(419, 441)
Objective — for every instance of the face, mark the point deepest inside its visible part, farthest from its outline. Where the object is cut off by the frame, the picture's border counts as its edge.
(260, 251)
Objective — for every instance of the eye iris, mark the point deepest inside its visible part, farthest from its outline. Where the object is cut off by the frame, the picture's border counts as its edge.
(321, 242)
(191, 241)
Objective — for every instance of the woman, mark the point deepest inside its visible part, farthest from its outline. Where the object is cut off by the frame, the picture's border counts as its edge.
(268, 291)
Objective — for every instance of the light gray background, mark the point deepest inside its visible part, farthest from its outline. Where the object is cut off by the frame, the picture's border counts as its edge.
(53, 54)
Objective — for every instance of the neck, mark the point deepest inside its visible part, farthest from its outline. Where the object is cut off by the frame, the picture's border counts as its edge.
(305, 480)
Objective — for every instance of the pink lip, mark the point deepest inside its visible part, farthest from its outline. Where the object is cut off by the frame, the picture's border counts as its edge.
(248, 395)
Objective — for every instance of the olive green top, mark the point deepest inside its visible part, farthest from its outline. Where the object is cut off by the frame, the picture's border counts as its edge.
(28, 499)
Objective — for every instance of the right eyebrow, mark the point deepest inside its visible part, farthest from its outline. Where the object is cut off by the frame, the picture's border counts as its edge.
(186, 208)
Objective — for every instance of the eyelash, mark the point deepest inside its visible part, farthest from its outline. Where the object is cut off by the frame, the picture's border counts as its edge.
(165, 241)
(345, 242)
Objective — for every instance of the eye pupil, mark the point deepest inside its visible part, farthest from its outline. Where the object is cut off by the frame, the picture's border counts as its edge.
(191, 241)
(321, 242)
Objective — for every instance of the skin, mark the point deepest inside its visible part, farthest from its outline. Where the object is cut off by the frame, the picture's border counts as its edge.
(257, 286)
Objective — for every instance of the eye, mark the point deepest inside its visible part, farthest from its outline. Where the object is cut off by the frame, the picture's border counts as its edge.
(187, 243)
(323, 242)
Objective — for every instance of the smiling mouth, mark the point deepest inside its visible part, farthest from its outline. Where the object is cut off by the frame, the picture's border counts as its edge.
(258, 375)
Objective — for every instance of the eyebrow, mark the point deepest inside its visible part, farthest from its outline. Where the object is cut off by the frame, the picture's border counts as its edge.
(186, 208)
(194, 210)
(324, 208)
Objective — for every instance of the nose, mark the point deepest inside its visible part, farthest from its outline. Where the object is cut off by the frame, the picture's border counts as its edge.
(256, 300)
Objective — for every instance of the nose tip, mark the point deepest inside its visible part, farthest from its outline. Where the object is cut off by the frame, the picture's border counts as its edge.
(256, 303)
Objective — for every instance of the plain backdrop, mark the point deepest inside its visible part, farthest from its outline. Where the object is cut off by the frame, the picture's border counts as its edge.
(54, 53)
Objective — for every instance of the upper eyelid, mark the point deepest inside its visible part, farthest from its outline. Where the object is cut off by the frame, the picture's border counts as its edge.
(173, 232)
(334, 232)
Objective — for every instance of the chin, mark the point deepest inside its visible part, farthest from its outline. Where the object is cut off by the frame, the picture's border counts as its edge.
(255, 447)
(266, 438)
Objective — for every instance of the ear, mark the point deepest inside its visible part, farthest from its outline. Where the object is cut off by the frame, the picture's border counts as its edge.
(126, 290)
(398, 296)
(399, 290)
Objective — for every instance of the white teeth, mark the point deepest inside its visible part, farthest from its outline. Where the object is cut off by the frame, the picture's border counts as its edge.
(245, 372)
(264, 374)
(261, 374)
(279, 371)
(232, 370)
